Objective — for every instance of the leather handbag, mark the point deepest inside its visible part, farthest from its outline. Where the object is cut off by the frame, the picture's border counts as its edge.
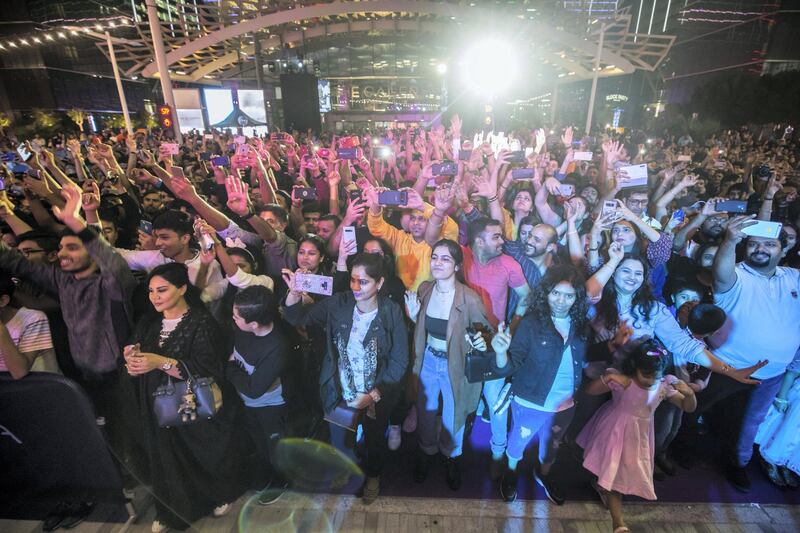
(477, 364)
(344, 416)
(478, 367)
(181, 403)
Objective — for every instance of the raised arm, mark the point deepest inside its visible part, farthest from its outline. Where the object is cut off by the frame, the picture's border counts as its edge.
(724, 267)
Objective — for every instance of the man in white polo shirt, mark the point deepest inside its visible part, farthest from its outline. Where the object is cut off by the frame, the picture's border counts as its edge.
(762, 304)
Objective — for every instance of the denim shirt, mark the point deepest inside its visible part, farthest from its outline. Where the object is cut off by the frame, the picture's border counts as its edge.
(534, 356)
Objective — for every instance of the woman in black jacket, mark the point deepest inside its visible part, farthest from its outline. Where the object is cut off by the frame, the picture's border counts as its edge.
(545, 359)
(365, 359)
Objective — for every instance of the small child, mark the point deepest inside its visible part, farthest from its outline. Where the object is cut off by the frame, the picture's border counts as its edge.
(618, 441)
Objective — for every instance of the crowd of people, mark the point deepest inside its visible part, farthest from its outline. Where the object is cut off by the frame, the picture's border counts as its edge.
(617, 293)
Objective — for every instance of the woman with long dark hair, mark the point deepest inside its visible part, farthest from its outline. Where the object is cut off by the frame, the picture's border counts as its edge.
(195, 467)
(546, 359)
(443, 311)
(365, 359)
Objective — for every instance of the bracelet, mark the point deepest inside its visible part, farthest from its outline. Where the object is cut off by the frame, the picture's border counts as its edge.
(593, 249)
(375, 395)
(766, 198)
(492, 199)
(780, 401)
(250, 213)
(572, 233)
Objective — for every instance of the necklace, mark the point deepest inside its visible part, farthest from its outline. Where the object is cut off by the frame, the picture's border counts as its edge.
(436, 288)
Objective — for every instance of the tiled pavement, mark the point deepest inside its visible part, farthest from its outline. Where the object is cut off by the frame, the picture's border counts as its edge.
(320, 513)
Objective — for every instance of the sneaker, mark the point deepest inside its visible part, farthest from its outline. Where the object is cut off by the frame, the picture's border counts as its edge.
(666, 464)
(395, 438)
(271, 494)
(453, 469)
(56, 516)
(497, 468)
(737, 476)
(222, 510)
(410, 423)
(792, 479)
(77, 513)
(421, 466)
(371, 490)
(773, 473)
(508, 486)
(158, 527)
(550, 486)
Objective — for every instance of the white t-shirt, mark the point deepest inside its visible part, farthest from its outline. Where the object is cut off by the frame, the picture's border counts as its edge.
(763, 321)
(560, 396)
(30, 331)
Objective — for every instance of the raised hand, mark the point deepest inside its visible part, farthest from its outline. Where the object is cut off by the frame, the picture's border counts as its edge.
(415, 201)
(412, 305)
(484, 187)
(616, 252)
(70, 214)
(733, 231)
(455, 126)
(238, 199)
(541, 140)
(502, 339)
(91, 196)
(182, 188)
(566, 139)
(443, 198)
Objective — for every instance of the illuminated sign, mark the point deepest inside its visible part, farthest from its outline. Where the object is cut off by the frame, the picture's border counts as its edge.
(165, 116)
(616, 98)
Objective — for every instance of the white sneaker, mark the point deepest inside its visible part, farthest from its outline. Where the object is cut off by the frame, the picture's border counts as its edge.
(410, 423)
(222, 510)
(158, 527)
(394, 438)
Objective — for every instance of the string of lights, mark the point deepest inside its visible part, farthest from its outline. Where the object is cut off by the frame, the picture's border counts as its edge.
(64, 30)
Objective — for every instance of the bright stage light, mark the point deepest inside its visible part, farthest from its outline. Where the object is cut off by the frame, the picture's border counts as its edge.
(490, 67)
(441, 68)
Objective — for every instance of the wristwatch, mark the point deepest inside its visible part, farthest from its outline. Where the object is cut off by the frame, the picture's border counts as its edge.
(166, 367)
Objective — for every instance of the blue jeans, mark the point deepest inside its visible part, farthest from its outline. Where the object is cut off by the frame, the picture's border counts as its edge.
(754, 412)
(739, 443)
(525, 424)
(434, 379)
(499, 422)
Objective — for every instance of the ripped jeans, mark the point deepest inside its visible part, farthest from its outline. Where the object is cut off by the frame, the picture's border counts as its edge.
(527, 423)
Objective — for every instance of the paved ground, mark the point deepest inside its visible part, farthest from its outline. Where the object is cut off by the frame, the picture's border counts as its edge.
(319, 513)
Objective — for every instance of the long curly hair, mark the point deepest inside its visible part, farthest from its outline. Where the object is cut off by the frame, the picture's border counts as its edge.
(642, 303)
(539, 307)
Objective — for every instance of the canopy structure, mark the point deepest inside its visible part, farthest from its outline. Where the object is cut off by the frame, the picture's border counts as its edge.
(209, 43)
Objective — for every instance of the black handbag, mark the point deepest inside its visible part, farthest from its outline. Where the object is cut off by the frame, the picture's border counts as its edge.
(478, 365)
(181, 403)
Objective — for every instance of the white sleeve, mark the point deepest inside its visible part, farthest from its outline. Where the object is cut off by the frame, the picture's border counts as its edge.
(242, 279)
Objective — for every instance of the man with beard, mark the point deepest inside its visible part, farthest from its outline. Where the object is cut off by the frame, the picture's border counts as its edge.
(152, 204)
(491, 274)
(535, 251)
(763, 324)
(706, 227)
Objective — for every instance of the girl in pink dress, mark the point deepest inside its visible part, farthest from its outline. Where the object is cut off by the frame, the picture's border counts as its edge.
(618, 441)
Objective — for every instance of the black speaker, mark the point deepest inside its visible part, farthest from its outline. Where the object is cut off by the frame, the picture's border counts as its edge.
(300, 102)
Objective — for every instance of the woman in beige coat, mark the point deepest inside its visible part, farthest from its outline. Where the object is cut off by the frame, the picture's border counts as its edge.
(443, 310)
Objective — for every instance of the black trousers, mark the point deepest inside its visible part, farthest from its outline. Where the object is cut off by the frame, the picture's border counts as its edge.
(266, 426)
(374, 437)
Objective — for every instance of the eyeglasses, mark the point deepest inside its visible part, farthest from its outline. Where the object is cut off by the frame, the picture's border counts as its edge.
(29, 251)
(637, 202)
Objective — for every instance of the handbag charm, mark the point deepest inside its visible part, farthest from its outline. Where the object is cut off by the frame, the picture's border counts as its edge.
(188, 406)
